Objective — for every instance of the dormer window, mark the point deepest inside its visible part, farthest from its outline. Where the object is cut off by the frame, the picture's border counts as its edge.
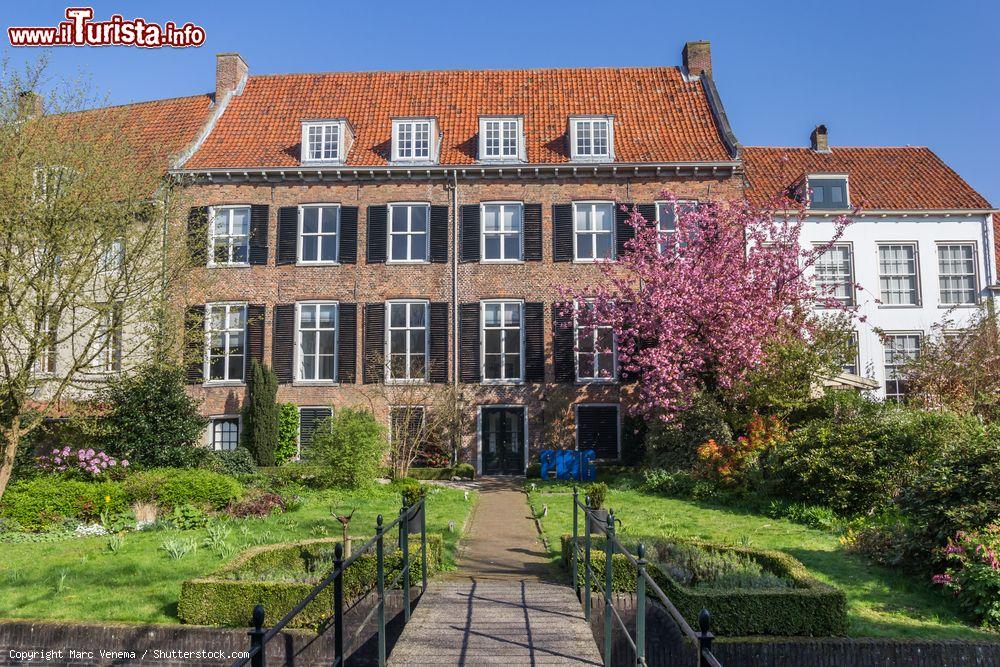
(414, 140)
(501, 139)
(827, 191)
(592, 139)
(325, 141)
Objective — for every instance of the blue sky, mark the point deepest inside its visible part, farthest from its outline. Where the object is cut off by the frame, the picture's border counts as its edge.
(876, 72)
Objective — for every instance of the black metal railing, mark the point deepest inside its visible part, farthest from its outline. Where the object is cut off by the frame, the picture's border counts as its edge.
(260, 637)
(644, 584)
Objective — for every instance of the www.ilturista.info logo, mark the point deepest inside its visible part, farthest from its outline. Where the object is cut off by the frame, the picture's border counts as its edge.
(80, 30)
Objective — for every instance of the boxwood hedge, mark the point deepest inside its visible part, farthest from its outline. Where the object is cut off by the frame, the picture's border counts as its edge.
(810, 608)
(227, 596)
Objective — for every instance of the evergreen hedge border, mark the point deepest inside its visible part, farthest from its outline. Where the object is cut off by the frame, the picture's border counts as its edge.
(227, 596)
(810, 608)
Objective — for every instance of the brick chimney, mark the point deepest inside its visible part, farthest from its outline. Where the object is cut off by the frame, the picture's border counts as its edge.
(819, 139)
(230, 70)
(29, 105)
(698, 58)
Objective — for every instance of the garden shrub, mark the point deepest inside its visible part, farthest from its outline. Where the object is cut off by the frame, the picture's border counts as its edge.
(41, 502)
(257, 503)
(596, 493)
(673, 446)
(462, 470)
(171, 487)
(351, 444)
(634, 432)
(233, 463)
(187, 517)
(410, 489)
(465, 471)
(884, 538)
(288, 433)
(658, 480)
(732, 465)
(300, 474)
(260, 414)
(973, 573)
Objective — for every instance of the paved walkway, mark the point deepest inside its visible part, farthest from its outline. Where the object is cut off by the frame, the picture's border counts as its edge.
(503, 605)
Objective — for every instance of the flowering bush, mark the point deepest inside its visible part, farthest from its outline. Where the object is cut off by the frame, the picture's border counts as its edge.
(728, 464)
(974, 573)
(83, 462)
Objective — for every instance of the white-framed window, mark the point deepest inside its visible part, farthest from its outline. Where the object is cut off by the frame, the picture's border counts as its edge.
(316, 324)
(500, 139)
(898, 281)
(594, 349)
(225, 333)
(592, 139)
(503, 341)
(113, 257)
(224, 432)
(323, 141)
(503, 231)
(666, 218)
(45, 362)
(229, 236)
(853, 364)
(413, 140)
(833, 273)
(409, 236)
(110, 337)
(593, 231)
(899, 349)
(957, 274)
(319, 230)
(406, 342)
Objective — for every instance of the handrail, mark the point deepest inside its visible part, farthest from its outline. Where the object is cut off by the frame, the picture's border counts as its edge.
(612, 545)
(259, 637)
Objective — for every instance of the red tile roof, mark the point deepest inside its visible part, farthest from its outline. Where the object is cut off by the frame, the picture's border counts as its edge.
(659, 117)
(881, 178)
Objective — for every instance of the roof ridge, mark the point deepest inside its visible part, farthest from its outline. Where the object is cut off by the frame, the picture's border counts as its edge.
(134, 104)
(835, 148)
(466, 70)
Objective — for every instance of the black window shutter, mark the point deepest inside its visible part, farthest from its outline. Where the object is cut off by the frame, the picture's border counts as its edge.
(283, 342)
(438, 342)
(288, 235)
(197, 235)
(532, 232)
(194, 344)
(597, 429)
(255, 331)
(470, 232)
(378, 220)
(648, 212)
(563, 358)
(623, 230)
(258, 233)
(562, 232)
(347, 343)
(626, 376)
(534, 342)
(374, 343)
(347, 253)
(309, 418)
(468, 334)
(439, 234)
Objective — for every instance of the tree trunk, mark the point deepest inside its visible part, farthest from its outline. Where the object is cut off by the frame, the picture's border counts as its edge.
(11, 437)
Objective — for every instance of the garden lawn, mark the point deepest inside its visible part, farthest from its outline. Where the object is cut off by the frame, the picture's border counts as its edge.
(82, 580)
(880, 602)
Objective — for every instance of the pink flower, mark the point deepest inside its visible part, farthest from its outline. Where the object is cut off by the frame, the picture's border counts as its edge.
(124, 463)
(941, 579)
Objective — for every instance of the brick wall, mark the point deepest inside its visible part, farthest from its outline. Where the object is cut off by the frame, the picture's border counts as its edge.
(549, 405)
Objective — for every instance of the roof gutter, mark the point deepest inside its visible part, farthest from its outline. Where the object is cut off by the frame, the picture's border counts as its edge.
(885, 213)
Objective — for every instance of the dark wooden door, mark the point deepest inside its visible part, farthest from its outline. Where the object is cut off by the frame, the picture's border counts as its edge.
(503, 441)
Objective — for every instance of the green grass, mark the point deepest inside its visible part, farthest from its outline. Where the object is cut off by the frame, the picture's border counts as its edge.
(881, 602)
(81, 579)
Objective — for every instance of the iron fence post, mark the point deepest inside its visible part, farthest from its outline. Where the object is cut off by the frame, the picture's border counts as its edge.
(404, 543)
(423, 541)
(586, 558)
(705, 637)
(257, 637)
(338, 603)
(576, 542)
(609, 573)
(640, 606)
(380, 577)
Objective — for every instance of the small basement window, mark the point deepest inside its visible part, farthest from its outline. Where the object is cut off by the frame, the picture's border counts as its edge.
(827, 192)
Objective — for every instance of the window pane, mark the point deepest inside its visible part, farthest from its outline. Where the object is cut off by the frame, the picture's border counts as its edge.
(512, 314)
(418, 249)
(512, 246)
(418, 218)
(512, 366)
(585, 246)
(397, 341)
(397, 315)
(418, 314)
(491, 247)
(399, 217)
(603, 216)
(417, 340)
(493, 341)
(329, 222)
(583, 217)
(235, 367)
(491, 218)
(491, 314)
(307, 317)
(326, 368)
(604, 246)
(512, 340)
(329, 253)
(310, 250)
(416, 366)
(399, 246)
(241, 221)
(310, 220)
(326, 342)
(585, 368)
(491, 370)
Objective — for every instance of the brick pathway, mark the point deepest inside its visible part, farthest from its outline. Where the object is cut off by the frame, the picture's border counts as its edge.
(503, 605)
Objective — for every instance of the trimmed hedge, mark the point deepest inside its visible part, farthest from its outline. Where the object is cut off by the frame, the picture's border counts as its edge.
(811, 608)
(170, 487)
(40, 502)
(227, 596)
(463, 470)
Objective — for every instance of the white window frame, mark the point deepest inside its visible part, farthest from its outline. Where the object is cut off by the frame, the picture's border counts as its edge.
(613, 233)
(886, 346)
(323, 126)
(320, 236)
(210, 431)
(483, 233)
(504, 121)
(975, 274)
(576, 423)
(850, 278)
(482, 342)
(660, 203)
(575, 123)
(298, 343)
(113, 257)
(410, 234)
(229, 226)
(111, 334)
(226, 305)
(388, 340)
(918, 301)
(594, 379)
(47, 361)
(432, 140)
(829, 177)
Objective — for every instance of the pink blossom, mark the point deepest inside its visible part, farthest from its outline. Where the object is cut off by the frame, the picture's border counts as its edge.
(941, 579)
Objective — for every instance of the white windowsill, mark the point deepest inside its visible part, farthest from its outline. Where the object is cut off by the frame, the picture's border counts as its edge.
(315, 383)
(245, 265)
(308, 263)
(224, 383)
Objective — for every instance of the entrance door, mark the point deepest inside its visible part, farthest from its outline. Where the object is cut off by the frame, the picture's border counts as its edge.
(503, 441)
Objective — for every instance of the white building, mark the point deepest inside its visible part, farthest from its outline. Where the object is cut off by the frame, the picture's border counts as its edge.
(922, 248)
